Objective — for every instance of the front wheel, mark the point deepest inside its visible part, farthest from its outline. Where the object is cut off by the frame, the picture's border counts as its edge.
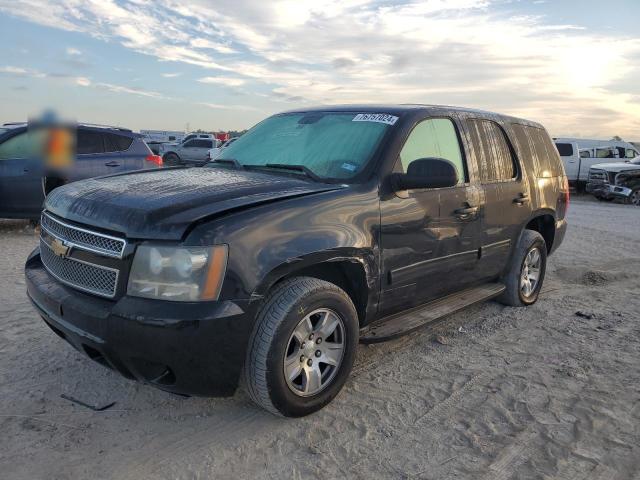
(302, 348)
(523, 280)
(634, 198)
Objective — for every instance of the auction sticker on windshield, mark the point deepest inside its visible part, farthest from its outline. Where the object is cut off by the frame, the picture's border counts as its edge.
(375, 117)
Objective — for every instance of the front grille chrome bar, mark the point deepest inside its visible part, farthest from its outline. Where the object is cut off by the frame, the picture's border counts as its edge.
(83, 239)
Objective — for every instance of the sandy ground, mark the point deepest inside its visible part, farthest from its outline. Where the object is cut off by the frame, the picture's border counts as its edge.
(514, 393)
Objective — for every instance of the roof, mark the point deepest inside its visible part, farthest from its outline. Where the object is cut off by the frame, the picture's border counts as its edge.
(398, 109)
(81, 124)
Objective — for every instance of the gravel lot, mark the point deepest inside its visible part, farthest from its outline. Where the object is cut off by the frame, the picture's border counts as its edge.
(538, 393)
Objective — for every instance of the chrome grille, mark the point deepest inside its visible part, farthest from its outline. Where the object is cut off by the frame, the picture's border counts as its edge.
(598, 176)
(84, 276)
(84, 239)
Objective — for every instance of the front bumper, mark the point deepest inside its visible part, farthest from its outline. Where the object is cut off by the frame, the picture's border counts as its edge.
(187, 348)
(606, 190)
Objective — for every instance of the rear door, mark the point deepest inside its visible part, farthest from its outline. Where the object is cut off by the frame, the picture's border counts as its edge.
(506, 198)
(21, 193)
(429, 237)
(201, 150)
(120, 153)
(93, 155)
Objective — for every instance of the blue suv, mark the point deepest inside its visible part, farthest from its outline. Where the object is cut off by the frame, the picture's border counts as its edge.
(99, 150)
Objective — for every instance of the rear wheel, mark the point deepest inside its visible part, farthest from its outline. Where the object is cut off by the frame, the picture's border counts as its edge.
(302, 348)
(634, 198)
(171, 159)
(524, 278)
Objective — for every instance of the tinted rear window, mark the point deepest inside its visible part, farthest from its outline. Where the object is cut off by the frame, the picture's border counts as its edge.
(565, 149)
(117, 143)
(89, 142)
(495, 161)
(537, 150)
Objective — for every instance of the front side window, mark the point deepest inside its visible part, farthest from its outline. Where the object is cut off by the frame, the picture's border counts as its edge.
(434, 138)
(18, 146)
(331, 145)
(495, 161)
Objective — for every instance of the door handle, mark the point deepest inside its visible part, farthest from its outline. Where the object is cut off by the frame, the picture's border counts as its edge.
(465, 212)
(113, 163)
(521, 199)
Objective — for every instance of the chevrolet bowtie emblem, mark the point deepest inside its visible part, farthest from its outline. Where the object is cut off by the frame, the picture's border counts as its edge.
(59, 247)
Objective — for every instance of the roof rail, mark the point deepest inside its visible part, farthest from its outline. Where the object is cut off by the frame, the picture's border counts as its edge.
(8, 124)
(97, 125)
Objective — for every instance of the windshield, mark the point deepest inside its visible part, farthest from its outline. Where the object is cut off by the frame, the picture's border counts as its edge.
(329, 145)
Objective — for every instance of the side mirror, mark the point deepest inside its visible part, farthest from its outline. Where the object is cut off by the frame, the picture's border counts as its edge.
(426, 173)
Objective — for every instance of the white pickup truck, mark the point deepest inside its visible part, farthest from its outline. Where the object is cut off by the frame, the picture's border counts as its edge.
(578, 160)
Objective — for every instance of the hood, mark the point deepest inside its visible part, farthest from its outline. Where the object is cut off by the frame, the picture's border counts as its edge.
(161, 204)
(616, 167)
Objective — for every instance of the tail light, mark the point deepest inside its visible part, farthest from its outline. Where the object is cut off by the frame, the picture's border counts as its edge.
(565, 191)
(155, 159)
(208, 156)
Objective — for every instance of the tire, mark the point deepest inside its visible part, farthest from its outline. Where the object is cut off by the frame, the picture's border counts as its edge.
(634, 198)
(171, 159)
(274, 341)
(517, 294)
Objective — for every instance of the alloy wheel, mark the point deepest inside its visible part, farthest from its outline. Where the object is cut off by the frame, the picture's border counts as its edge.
(314, 352)
(530, 275)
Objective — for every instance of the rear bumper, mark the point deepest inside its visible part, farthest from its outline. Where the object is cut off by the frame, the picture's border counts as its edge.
(185, 348)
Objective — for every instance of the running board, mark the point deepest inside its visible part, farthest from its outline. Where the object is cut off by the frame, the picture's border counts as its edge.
(394, 326)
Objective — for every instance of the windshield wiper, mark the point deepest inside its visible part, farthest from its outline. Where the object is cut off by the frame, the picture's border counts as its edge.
(228, 161)
(295, 168)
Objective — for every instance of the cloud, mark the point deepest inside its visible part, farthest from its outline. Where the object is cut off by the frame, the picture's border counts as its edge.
(479, 53)
(226, 81)
(80, 81)
(73, 51)
(20, 72)
(171, 75)
(220, 106)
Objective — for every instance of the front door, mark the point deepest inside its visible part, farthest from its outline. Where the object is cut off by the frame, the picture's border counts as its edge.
(429, 237)
(21, 193)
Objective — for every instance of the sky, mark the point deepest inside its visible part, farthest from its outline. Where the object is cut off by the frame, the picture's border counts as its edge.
(573, 66)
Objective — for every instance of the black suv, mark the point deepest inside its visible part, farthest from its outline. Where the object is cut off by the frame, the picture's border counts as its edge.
(313, 231)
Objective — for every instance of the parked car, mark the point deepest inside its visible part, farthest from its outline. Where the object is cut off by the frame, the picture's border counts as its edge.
(621, 180)
(214, 152)
(192, 151)
(316, 230)
(99, 150)
(577, 161)
(156, 138)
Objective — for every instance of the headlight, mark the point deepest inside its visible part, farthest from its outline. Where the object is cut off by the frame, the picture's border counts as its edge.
(185, 274)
